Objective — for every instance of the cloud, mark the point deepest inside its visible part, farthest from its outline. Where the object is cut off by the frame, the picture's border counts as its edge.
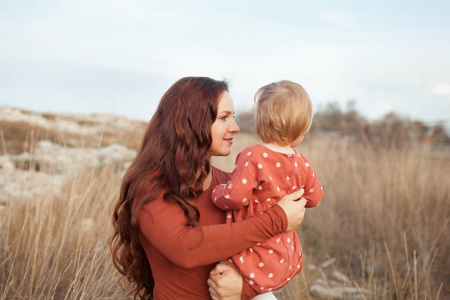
(338, 18)
(442, 89)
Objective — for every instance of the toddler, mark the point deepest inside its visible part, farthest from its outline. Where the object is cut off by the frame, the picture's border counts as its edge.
(263, 175)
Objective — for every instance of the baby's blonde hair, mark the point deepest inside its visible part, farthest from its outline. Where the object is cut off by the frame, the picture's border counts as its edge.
(284, 112)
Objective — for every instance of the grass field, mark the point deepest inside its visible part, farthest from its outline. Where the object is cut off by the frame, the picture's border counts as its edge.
(383, 223)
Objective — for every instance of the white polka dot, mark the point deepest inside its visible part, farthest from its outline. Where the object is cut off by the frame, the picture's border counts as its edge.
(298, 266)
(314, 174)
(225, 206)
(278, 240)
(244, 200)
(270, 177)
(251, 249)
(296, 164)
(215, 198)
(278, 164)
(294, 187)
(214, 190)
(244, 181)
(227, 196)
(259, 187)
(251, 282)
(288, 240)
(268, 199)
(292, 246)
(270, 251)
(288, 178)
(228, 216)
(260, 166)
(246, 164)
(321, 188)
(229, 186)
(265, 154)
(256, 201)
(270, 275)
(252, 275)
(241, 259)
(278, 189)
(261, 264)
(270, 289)
(281, 261)
(307, 164)
(311, 190)
(248, 154)
(258, 244)
(288, 279)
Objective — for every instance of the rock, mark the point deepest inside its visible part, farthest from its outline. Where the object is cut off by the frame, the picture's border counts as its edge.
(115, 154)
(52, 158)
(340, 276)
(6, 164)
(28, 185)
(328, 263)
(321, 289)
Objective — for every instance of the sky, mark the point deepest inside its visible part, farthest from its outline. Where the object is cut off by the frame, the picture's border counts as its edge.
(110, 56)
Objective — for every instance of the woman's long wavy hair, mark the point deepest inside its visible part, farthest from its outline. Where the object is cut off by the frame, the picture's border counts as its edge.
(173, 160)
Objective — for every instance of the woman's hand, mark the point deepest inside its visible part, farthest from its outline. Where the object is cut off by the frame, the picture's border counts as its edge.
(294, 208)
(225, 283)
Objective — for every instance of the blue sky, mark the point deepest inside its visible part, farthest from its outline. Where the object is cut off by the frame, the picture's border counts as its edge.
(121, 56)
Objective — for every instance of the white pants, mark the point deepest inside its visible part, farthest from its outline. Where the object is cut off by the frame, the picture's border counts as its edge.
(265, 296)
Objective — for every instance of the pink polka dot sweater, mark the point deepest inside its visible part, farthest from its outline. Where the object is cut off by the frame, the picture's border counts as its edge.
(260, 179)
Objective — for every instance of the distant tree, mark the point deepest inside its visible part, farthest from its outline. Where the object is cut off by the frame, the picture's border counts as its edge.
(334, 120)
(246, 120)
(391, 130)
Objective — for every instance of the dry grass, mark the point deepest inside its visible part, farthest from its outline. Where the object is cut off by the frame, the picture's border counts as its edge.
(384, 218)
(383, 222)
(56, 247)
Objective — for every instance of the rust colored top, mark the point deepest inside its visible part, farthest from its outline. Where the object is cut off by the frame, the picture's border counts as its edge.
(261, 178)
(182, 257)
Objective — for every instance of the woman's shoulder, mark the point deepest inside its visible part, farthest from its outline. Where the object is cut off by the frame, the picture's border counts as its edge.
(219, 176)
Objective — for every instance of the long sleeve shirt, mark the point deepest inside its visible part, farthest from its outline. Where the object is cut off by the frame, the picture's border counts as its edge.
(260, 179)
(181, 257)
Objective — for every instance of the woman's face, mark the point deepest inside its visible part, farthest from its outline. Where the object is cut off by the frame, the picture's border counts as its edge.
(224, 127)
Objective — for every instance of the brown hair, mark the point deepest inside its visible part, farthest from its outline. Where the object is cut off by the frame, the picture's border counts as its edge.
(284, 112)
(173, 160)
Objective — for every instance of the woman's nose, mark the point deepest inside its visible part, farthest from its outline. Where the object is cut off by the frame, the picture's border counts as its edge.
(234, 127)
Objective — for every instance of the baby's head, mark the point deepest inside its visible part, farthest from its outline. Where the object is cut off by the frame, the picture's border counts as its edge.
(284, 112)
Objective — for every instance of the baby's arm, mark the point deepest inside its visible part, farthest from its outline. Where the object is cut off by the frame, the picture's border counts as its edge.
(238, 191)
(313, 188)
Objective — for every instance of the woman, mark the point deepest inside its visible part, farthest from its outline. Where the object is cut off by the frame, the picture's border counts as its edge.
(168, 235)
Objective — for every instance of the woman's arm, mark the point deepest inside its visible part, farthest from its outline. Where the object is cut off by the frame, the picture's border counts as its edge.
(237, 192)
(163, 224)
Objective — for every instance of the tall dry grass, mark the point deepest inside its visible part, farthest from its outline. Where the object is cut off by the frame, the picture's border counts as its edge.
(56, 246)
(384, 223)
